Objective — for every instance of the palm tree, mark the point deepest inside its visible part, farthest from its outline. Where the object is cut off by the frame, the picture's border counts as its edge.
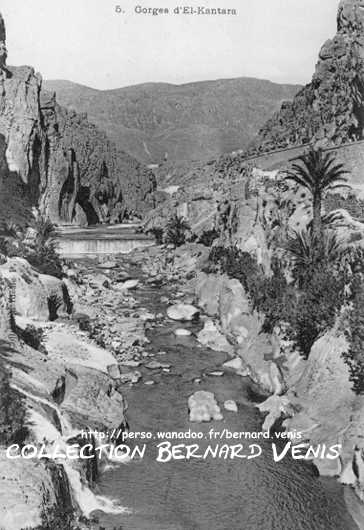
(307, 255)
(318, 173)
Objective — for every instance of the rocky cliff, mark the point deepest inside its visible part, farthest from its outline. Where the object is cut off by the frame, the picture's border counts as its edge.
(57, 160)
(329, 110)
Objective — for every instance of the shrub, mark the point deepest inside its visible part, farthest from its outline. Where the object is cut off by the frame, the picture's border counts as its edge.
(39, 250)
(208, 237)
(308, 253)
(157, 232)
(320, 300)
(176, 231)
(45, 260)
(33, 337)
(309, 311)
(355, 335)
(54, 304)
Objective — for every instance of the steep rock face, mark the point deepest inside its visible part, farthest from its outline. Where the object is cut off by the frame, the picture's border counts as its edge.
(57, 160)
(330, 109)
(3, 52)
(86, 174)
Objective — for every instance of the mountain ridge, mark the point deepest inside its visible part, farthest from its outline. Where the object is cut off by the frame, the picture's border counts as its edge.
(198, 120)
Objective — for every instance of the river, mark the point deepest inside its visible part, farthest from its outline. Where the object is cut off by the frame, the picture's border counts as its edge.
(211, 494)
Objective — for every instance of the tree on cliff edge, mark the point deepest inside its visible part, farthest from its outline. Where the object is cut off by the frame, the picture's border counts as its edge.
(318, 173)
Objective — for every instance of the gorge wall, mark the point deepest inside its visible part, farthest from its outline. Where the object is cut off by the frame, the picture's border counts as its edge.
(329, 110)
(57, 160)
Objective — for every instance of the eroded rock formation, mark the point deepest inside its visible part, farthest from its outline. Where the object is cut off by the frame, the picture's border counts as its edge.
(59, 160)
(329, 110)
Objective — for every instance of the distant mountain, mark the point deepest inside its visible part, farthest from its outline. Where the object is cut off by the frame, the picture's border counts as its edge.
(195, 121)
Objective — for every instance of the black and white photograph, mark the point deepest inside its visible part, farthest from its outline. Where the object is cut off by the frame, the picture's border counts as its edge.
(182, 265)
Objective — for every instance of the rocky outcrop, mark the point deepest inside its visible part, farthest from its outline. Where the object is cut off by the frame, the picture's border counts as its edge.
(231, 203)
(59, 161)
(23, 502)
(88, 179)
(328, 111)
(226, 300)
(66, 384)
(35, 293)
(3, 51)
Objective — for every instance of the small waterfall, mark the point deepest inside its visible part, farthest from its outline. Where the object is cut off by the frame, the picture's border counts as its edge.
(86, 499)
(46, 433)
(66, 427)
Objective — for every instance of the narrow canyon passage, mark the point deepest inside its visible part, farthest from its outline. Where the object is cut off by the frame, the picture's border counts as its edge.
(213, 494)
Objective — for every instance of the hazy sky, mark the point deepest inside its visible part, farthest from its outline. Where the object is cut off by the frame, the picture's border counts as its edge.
(86, 41)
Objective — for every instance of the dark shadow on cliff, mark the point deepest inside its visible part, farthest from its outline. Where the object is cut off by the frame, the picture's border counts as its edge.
(15, 198)
(83, 199)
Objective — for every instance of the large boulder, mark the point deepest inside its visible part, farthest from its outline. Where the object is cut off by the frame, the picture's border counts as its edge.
(203, 407)
(211, 337)
(207, 292)
(326, 402)
(182, 312)
(34, 293)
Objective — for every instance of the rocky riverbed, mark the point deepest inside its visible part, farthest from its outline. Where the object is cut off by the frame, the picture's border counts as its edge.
(148, 341)
(173, 382)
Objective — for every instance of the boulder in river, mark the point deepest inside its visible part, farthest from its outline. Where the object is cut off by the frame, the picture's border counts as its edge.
(113, 371)
(231, 405)
(237, 364)
(182, 332)
(203, 407)
(182, 312)
(130, 284)
(107, 265)
(155, 365)
(211, 337)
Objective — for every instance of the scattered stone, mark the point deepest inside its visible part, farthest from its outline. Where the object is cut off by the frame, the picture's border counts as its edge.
(131, 364)
(123, 276)
(182, 312)
(149, 382)
(113, 371)
(182, 332)
(71, 273)
(216, 373)
(154, 365)
(130, 284)
(203, 407)
(197, 381)
(99, 281)
(161, 353)
(131, 377)
(107, 265)
(231, 405)
(147, 316)
(236, 364)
